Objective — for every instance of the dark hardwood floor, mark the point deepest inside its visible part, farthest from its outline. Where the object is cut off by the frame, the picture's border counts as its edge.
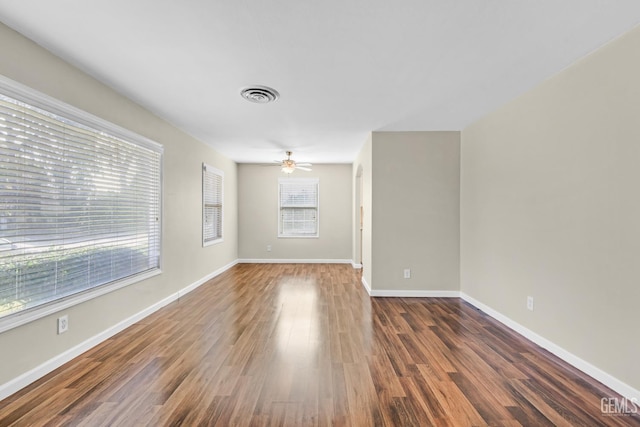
(305, 345)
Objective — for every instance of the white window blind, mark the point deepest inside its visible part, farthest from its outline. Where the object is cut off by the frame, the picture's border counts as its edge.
(298, 205)
(79, 207)
(212, 196)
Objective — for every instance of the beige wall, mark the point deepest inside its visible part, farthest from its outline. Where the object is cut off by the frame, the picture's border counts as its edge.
(416, 183)
(184, 259)
(551, 209)
(258, 215)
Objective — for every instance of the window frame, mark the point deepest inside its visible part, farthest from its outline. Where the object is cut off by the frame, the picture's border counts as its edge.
(211, 169)
(32, 97)
(281, 234)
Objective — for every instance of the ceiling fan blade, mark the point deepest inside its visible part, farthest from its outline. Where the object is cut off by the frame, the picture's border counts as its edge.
(304, 164)
(302, 168)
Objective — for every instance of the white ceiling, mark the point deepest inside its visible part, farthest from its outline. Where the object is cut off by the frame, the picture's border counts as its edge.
(343, 67)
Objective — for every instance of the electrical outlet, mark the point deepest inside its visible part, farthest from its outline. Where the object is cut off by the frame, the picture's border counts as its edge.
(268, 248)
(407, 273)
(530, 303)
(63, 324)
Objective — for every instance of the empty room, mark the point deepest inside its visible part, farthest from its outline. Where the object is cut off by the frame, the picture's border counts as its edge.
(244, 213)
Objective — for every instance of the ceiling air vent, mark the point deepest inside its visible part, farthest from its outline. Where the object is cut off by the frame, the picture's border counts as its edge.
(259, 94)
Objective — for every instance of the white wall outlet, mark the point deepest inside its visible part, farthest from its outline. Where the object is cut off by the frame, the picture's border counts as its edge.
(407, 273)
(530, 303)
(63, 324)
(268, 248)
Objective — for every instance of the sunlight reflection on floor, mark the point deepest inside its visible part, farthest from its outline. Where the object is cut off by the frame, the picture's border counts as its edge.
(297, 328)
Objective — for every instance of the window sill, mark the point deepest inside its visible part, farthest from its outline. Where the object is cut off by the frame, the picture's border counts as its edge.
(212, 242)
(29, 315)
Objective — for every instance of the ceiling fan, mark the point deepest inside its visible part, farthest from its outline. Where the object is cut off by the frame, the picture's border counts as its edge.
(289, 165)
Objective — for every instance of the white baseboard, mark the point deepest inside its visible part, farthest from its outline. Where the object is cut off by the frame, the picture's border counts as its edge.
(366, 285)
(293, 261)
(355, 265)
(414, 294)
(16, 384)
(407, 293)
(206, 278)
(598, 374)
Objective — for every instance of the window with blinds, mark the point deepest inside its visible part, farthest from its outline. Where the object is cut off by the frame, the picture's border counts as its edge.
(79, 206)
(212, 195)
(298, 207)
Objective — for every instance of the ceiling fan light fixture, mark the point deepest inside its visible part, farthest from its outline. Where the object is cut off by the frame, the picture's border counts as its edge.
(288, 166)
(259, 94)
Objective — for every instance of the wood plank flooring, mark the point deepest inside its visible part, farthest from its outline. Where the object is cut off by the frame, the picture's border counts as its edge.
(304, 345)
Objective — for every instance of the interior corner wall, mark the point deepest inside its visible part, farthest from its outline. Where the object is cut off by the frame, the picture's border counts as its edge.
(550, 208)
(415, 211)
(258, 215)
(184, 260)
